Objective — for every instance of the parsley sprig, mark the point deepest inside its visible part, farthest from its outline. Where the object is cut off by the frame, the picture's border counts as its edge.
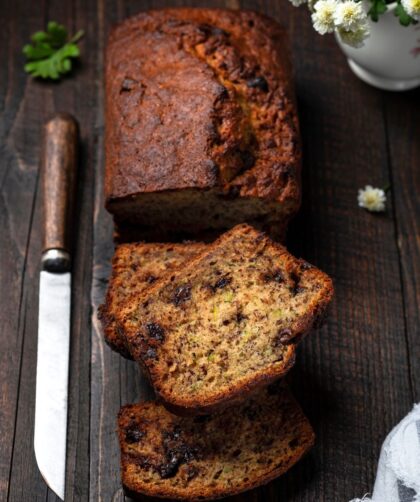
(50, 53)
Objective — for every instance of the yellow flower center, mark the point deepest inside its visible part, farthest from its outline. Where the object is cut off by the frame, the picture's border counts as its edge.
(415, 4)
(348, 13)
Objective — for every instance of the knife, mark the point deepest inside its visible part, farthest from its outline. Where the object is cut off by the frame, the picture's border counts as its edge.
(58, 169)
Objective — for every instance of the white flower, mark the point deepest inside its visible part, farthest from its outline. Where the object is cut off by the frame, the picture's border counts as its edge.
(349, 16)
(372, 199)
(354, 38)
(323, 17)
(297, 3)
(412, 7)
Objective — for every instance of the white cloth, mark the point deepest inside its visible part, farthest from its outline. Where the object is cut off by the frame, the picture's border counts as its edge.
(398, 475)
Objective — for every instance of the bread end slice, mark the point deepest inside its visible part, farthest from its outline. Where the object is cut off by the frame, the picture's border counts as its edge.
(209, 457)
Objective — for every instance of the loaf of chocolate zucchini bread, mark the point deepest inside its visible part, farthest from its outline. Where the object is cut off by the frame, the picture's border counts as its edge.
(201, 124)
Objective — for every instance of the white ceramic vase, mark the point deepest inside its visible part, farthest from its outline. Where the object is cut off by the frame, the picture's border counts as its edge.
(390, 58)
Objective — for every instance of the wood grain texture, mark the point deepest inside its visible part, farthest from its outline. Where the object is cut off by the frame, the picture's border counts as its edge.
(355, 378)
(403, 144)
(28, 104)
(20, 127)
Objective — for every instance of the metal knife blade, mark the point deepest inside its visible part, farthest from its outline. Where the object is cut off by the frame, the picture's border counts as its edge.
(59, 174)
(52, 378)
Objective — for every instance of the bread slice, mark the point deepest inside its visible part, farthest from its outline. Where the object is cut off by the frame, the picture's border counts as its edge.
(209, 457)
(226, 322)
(134, 268)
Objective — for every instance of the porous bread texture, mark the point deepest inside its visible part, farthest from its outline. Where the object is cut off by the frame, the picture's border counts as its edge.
(201, 123)
(226, 322)
(209, 457)
(135, 267)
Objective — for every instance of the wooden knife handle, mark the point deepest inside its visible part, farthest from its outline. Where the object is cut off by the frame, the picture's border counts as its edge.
(59, 166)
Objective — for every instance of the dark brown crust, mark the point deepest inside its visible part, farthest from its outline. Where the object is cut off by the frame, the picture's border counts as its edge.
(182, 41)
(185, 405)
(113, 334)
(109, 326)
(151, 492)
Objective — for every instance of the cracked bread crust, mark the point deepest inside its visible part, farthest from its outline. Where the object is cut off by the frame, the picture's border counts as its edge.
(135, 267)
(225, 323)
(205, 458)
(200, 101)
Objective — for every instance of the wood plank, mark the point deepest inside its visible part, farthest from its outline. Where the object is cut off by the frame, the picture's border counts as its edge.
(75, 95)
(21, 116)
(352, 377)
(105, 365)
(403, 127)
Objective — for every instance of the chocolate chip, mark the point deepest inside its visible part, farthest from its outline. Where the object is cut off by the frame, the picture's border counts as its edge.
(155, 331)
(221, 283)
(127, 85)
(247, 158)
(306, 266)
(191, 472)
(275, 275)
(176, 433)
(181, 294)
(212, 30)
(259, 83)
(224, 94)
(142, 461)
(133, 435)
(217, 474)
(170, 469)
(284, 335)
(150, 354)
(177, 452)
(150, 279)
(293, 443)
(240, 317)
(295, 288)
(213, 170)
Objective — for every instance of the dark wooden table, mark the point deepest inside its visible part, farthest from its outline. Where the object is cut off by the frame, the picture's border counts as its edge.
(355, 378)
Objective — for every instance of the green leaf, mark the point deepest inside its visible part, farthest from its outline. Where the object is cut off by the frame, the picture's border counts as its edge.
(40, 36)
(39, 51)
(57, 33)
(49, 55)
(404, 18)
(378, 7)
